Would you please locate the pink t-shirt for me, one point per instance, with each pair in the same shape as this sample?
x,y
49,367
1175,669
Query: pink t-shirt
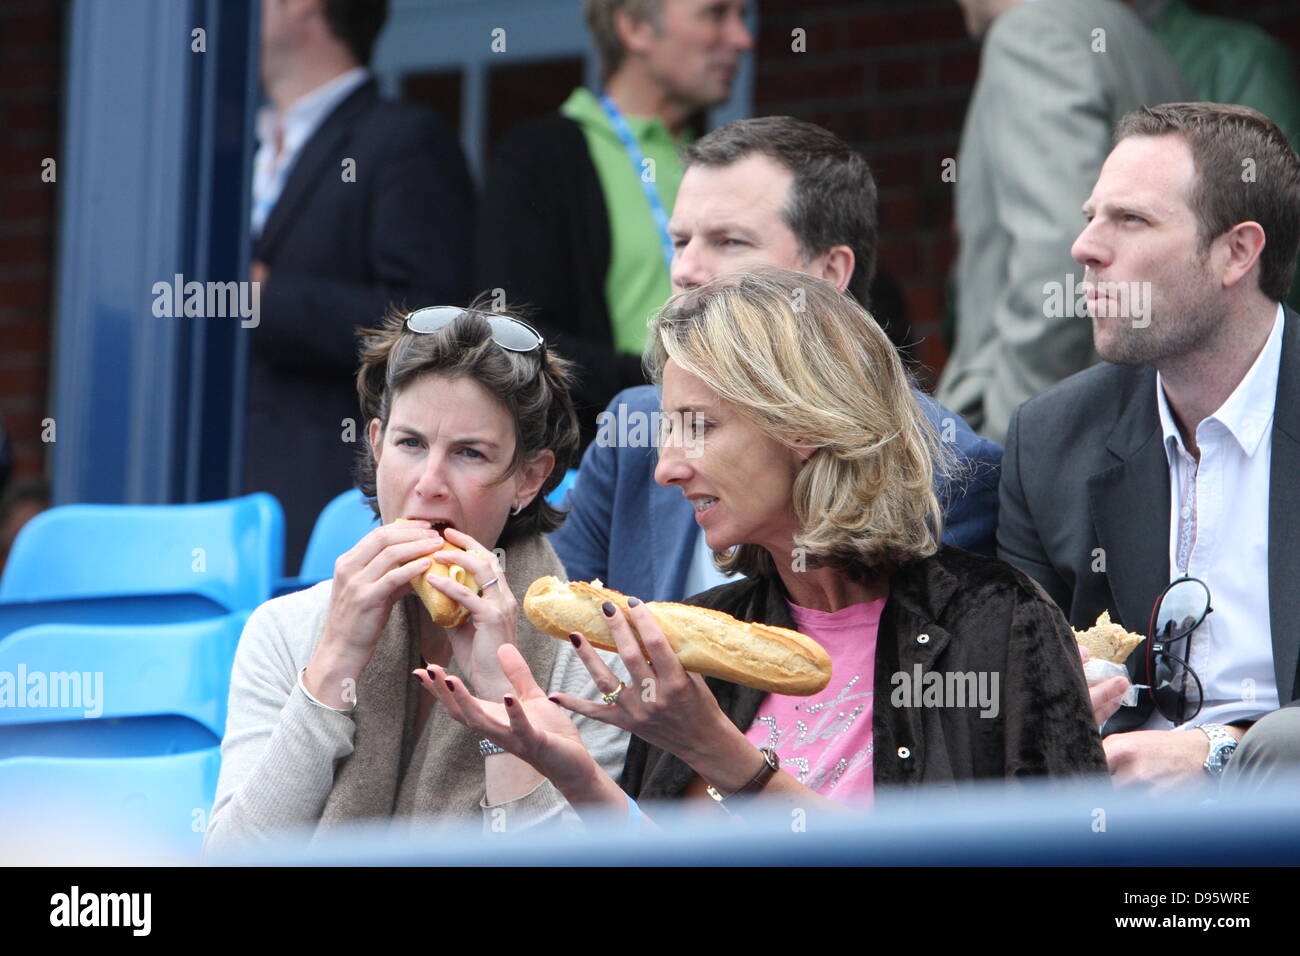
x,y
824,741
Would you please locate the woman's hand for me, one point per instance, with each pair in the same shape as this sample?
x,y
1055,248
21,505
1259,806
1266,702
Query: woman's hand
x,y
525,724
1107,696
368,580
664,705
494,614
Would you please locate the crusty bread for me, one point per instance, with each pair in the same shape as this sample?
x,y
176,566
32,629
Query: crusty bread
x,y
442,609
1107,641
708,642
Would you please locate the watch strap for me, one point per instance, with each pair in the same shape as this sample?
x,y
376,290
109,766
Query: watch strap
x,y
771,764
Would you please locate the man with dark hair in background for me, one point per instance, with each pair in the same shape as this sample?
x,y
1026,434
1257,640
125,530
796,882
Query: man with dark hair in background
x,y
576,204
357,202
772,191
1177,456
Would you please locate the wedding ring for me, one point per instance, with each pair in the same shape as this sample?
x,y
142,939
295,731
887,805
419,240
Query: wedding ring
x,y
612,697
486,586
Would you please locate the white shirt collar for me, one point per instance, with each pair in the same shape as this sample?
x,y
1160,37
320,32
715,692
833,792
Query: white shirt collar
x,y
307,112
1247,412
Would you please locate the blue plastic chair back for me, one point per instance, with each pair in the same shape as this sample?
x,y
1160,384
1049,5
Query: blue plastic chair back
x,y
556,497
229,552
136,806
110,691
342,523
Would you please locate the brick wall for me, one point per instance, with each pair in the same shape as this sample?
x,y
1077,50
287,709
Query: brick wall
x,y
892,77
30,65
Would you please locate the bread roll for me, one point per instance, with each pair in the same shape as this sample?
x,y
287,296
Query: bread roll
x,y
442,609
706,641
1107,641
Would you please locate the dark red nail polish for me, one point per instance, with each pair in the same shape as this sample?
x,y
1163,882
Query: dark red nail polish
x,y
432,675
553,700
576,638
510,701
633,602
450,685
608,608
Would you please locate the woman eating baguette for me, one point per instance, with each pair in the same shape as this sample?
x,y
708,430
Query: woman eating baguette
x,y
795,435
470,423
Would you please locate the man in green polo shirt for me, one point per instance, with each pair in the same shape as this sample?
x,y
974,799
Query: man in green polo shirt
x,y
575,210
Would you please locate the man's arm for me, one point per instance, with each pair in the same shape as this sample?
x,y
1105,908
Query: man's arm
x,y
1019,542
1052,132
582,542
528,245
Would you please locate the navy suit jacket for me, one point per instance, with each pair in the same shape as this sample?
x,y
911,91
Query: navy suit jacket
x,y
339,250
639,537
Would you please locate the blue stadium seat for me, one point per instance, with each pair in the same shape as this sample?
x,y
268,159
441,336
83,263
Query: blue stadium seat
x,y
343,522
151,806
556,497
224,553
75,690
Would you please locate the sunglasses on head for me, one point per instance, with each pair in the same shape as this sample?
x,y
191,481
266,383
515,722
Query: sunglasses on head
x,y
511,334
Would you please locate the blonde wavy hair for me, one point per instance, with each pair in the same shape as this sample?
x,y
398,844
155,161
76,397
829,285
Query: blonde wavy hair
x,y
797,357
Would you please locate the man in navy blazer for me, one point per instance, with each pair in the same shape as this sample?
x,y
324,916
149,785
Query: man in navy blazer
x,y
767,191
358,202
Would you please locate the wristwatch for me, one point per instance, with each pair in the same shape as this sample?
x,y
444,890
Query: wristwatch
x,y
1222,744
771,764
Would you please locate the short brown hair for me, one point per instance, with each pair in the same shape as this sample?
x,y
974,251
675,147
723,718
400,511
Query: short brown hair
x,y
799,358
832,198
1222,138
533,386
600,21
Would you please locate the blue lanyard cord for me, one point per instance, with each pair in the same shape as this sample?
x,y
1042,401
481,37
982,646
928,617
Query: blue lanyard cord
x,y
650,189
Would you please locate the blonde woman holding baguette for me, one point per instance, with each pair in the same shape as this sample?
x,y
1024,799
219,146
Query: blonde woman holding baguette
x,y
809,462
470,423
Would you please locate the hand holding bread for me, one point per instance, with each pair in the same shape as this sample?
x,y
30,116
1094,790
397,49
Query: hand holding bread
x,y
706,641
444,611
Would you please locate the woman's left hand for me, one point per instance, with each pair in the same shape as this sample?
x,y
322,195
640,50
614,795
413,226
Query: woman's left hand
x,y
494,614
664,705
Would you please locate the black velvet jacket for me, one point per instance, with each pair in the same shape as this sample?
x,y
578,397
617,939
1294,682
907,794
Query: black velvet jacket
x,y
980,615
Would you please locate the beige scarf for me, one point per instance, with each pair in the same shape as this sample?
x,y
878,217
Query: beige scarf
x,y
391,773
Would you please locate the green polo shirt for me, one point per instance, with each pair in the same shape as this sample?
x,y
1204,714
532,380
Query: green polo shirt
x,y
637,282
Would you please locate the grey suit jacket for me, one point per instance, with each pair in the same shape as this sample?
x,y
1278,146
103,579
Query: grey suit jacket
x,y
1084,506
1037,130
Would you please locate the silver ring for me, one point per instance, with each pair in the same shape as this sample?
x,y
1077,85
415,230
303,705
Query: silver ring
x,y
484,587
612,697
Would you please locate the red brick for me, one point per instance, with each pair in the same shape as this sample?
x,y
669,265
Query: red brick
x,y
40,74
24,292
20,336
25,249
32,200
894,76
27,381
959,69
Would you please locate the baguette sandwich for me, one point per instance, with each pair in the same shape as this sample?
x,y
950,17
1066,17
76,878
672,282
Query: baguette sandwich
x,y
706,641
1107,641
442,609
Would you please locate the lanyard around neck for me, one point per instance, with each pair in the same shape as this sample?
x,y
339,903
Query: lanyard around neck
x,y
638,166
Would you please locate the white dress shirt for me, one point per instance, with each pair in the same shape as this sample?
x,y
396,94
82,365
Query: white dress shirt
x,y
271,168
1218,532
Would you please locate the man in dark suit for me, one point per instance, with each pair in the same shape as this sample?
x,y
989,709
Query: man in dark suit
x,y
357,203
1178,455
767,191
